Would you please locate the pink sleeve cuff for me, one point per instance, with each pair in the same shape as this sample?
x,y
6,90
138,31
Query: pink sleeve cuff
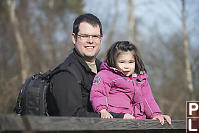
x,y
155,114
100,107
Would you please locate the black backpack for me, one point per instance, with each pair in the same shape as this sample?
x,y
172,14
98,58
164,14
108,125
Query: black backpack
x,y
32,98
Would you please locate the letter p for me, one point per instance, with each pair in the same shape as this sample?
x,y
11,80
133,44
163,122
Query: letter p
x,y
192,107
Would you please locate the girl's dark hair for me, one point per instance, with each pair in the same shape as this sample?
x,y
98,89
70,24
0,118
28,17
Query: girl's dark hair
x,y
124,46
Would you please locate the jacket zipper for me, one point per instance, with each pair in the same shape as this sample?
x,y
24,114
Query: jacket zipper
x,y
106,102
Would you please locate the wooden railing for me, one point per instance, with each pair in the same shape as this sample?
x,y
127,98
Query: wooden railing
x,y
30,124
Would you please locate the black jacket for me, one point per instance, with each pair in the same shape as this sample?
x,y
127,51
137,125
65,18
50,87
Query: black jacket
x,y
69,95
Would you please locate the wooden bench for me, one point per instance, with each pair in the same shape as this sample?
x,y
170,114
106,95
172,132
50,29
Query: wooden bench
x,y
14,123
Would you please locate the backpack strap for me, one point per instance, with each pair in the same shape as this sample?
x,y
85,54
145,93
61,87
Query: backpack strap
x,y
76,72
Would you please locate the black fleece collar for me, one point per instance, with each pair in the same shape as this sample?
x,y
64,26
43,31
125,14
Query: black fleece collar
x,y
76,55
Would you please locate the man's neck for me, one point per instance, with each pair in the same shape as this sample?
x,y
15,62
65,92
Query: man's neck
x,y
92,66
90,61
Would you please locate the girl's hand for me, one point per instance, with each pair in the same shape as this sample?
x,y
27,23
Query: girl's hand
x,y
105,114
128,116
161,118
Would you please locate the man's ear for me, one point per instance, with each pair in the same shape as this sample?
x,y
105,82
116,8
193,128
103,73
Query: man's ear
x,y
101,39
74,38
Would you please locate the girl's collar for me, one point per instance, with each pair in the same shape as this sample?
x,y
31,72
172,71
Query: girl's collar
x,y
117,71
135,74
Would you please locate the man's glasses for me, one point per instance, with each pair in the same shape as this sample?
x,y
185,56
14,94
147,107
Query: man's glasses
x,y
85,37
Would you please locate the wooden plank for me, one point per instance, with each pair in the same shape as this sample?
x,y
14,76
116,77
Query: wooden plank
x,y
97,124
11,123
14,123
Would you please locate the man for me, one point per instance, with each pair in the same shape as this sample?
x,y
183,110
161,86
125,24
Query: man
x,y
70,97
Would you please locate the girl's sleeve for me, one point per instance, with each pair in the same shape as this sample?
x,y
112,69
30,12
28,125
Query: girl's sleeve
x,y
99,93
151,108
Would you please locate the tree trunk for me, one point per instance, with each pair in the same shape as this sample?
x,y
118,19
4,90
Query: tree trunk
x,y
51,4
25,65
110,35
131,17
186,54
112,29
3,62
49,29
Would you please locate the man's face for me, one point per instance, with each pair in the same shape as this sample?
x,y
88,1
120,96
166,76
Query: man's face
x,y
88,41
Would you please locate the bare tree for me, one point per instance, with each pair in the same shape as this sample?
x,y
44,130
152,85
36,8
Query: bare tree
x,y
49,28
131,19
112,29
111,32
20,44
186,53
51,4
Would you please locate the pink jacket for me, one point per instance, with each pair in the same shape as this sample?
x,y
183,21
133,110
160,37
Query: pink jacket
x,y
115,92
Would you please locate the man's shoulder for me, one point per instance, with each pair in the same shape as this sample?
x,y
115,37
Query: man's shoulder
x,y
70,61
67,68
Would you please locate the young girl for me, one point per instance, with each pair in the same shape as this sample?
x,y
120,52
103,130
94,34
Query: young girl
x,y
121,86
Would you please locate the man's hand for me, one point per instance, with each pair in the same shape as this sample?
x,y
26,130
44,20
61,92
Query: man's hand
x,y
161,119
128,116
105,114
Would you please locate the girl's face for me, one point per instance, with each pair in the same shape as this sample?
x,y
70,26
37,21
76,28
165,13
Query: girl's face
x,y
126,63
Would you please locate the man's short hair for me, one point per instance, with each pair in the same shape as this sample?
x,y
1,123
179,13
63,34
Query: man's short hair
x,y
89,18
